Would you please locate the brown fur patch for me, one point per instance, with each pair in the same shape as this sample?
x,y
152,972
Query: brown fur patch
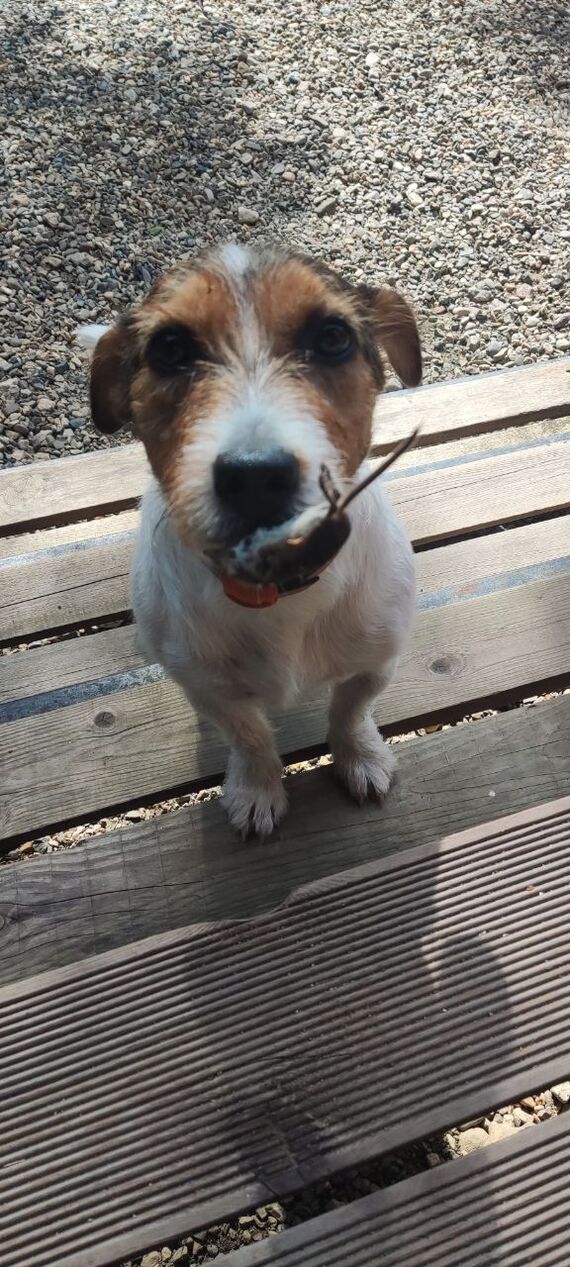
x,y
197,298
342,397
286,294
165,415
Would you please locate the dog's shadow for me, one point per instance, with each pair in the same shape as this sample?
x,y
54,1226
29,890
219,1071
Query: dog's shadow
x,y
343,1028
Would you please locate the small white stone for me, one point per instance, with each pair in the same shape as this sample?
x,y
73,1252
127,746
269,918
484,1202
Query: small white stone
x,y
561,1092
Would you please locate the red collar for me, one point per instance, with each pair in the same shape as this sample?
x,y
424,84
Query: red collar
x,y
251,594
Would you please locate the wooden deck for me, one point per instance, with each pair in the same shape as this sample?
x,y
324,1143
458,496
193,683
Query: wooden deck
x,y
89,730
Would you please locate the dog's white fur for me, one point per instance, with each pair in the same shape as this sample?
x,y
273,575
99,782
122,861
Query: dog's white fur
x,y
234,664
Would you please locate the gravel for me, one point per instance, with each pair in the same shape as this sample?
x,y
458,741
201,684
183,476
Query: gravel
x,y
424,144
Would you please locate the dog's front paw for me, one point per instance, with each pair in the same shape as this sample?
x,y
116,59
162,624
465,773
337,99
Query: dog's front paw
x,y
255,803
364,764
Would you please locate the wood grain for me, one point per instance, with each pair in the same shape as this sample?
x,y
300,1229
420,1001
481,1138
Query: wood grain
x,y
70,762
73,587
72,488
188,866
468,496
40,593
468,406
76,487
447,573
43,539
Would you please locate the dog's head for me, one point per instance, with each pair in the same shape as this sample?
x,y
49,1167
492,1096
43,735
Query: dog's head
x,y
242,374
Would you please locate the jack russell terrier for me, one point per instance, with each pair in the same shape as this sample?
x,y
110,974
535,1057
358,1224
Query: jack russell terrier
x,y
247,375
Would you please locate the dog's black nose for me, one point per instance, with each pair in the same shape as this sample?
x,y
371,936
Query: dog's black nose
x,y
257,489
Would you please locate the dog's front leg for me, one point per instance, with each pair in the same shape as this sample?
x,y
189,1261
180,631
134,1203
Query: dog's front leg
x,y
362,761
254,795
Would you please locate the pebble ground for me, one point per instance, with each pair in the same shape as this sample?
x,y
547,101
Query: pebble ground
x,y
418,142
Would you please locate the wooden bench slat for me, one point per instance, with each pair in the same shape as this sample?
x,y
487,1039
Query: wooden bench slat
x,y
187,866
452,573
144,741
502,1205
113,479
308,1040
72,488
472,495
480,403
46,540
42,592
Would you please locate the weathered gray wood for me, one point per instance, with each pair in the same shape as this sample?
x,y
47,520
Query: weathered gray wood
x,y
58,665
188,866
115,478
468,406
78,585
42,540
465,497
446,574
71,762
72,488
42,592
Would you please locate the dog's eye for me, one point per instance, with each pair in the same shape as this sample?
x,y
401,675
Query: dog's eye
x,y
172,350
334,341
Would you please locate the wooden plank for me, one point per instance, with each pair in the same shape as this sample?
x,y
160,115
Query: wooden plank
x,y
446,574
70,587
465,497
502,556
72,488
188,866
469,406
80,487
172,1083
40,592
48,539
501,1205
70,762
58,666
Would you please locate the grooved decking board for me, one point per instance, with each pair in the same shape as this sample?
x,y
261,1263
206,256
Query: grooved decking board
x,y
187,866
88,579
446,574
171,1083
108,750
49,493
502,1206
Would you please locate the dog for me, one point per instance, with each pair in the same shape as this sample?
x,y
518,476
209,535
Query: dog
x,y
245,373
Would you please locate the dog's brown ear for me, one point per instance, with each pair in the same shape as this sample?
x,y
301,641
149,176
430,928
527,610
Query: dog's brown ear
x,y
397,333
110,381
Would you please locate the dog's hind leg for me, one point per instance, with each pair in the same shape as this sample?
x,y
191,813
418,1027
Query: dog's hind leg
x,y
363,762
